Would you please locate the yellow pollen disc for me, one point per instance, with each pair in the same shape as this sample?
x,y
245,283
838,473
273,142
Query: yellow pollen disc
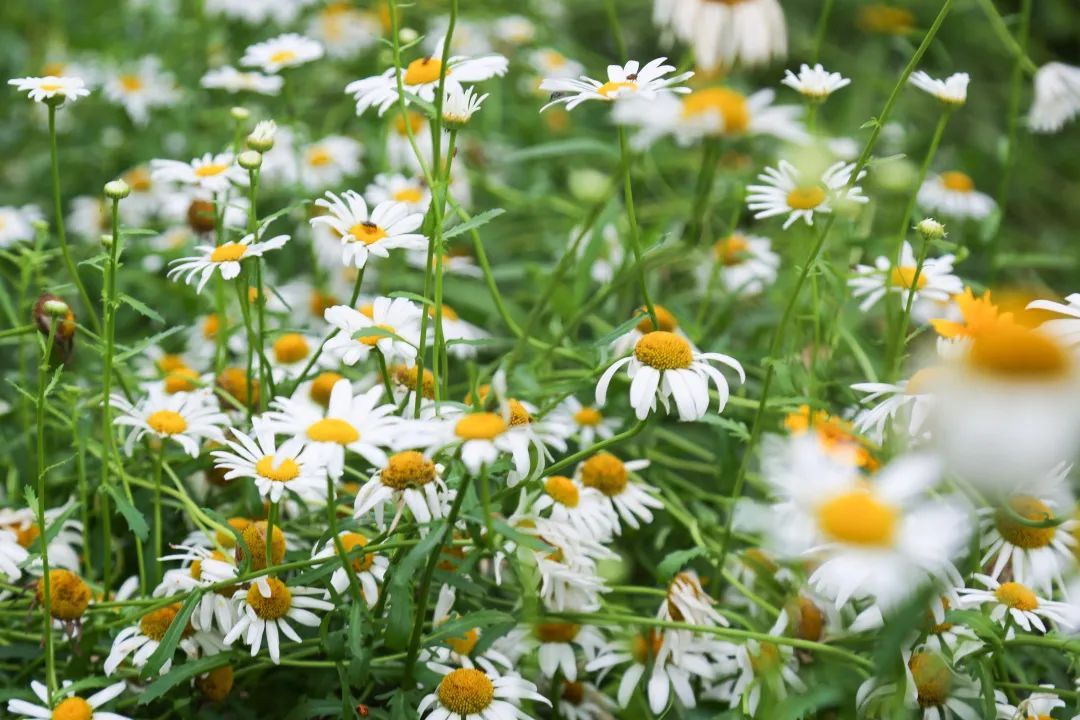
x,y
466,691
322,385
73,708
957,182
254,536
273,607
407,469
319,302
69,596
216,684
480,426
1014,351
367,233
167,422
464,645
50,87
562,490
606,473
1017,596
210,169
351,540
154,624
1025,536
227,539
131,83
333,430
664,351
667,320
932,677
277,470
229,252
24,535
423,71
573,692
318,157
415,122
409,195
731,250
406,377
806,198
283,56
588,416
138,179
181,380
858,518
367,311
519,415
168,363
236,382
373,340
210,326
448,312
645,645
730,105
610,88
904,277
291,348
557,632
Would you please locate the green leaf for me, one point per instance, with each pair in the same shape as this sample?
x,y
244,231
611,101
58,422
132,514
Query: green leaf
x,y
575,146
674,562
181,673
461,625
135,520
167,647
474,222
399,617
141,308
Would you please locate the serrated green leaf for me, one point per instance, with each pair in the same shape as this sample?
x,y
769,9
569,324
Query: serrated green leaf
x,y
474,222
135,520
142,308
674,562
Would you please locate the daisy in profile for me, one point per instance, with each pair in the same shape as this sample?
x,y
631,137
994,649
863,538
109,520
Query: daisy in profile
x,y
142,88
631,79
459,105
16,224
67,705
231,80
274,469
953,194
911,400
389,226
47,89
1016,603
585,509
558,644
64,545
407,480
1066,329
210,173
478,692
399,188
951,91
745,264
1057,97
747,32
786,191
267,614
924,287
345,31
225,258
285,51
368,567
630,500
396,319
421,78
349,422
186,418
816,83
764,668
583,422
663,367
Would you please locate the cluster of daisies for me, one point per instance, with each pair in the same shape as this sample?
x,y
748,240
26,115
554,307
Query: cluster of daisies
x,y
323,452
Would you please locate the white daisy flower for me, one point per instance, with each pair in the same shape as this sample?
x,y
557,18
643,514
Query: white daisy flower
x,y
667,321
12,555
665,366
142,88
396,187
935,283
407,480
631,79
1066,329
550,63
763,667
557,646
1037,705
274,469
142,640
584,422
290,354
231,80
585,509
912,400
482,438
786,192
460,104
66,705
584,701
225,258
389,226
44,89
1014,602
399,316
750,32
814,83
611,476
265,610
17,224
64,547
200,568
459,334
744,263
470,693
953,194
282,52
186,417
1036,556
326,162
931,686
951,91
421,78
368,567
1057,97
211,173
345,31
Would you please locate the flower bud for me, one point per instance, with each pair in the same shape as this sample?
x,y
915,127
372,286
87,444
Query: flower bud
x,y
262,137
931,229
407,35
250,160
117,190
240,114
50,309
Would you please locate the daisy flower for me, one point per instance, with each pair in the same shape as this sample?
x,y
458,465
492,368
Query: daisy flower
x,y
935,283
421,78
389,226
583,701
482,438
951,91
763,667
200,568
1016,603
210,173
665,319
407,480
1066,329
12,555
66,705
630,500
64,546
550,63
1057,97
977,315
345,31
399,317
665,366
953,194
815,84
1035,556
142,640
225,258
265,611
142,88
787,192
584,422
632,79
44,89
459,651
231,80
349,422
185,417
326,162
285,51
369,567
745,264
17,224
931,686
459,334
273,469
290,354
1037,705
398,188
470,693
559,644
460,104
911,399
585,509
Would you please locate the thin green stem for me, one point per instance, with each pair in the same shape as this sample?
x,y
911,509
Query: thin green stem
x,y
108,310
631,217
1001,29
822,27
900,340
158,458
42,472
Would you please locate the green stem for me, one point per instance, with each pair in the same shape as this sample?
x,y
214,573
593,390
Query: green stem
x,y
42,471
1018,50
159,457
108,310
822,27
384,373
271,520
631,216
703,190
900,340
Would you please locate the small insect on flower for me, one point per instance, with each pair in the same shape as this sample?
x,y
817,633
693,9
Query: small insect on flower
x,y
815,84
285,51
210,173
389,226
265,610
231,80
953,194
66,705
225,258
185,417
631,79
51,90
787,192
951,91
469,693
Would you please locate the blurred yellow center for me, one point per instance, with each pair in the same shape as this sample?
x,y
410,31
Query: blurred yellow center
x,y
557,632
480,426
229,252
1019,534
318,157
1014,351
466,692
291,348
562,490
806,198
606,473
407,469
423,71
957,181
283,56
210,169
353,540
588,416
611,87
858,518
167,422
1016,596
464,644
373,340
904,277
664,317
131,83
333,430
664,351
932,678
729,104
322,385
731,250
409,195
277,470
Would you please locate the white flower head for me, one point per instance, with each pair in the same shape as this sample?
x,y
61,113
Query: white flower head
x,y
265,609
225,258
953,194
815,83
45,89
67,703
631,79
285,51
210,173
231,80
951,91
186,417
786,191
397,321
460,104
389,226
1057,97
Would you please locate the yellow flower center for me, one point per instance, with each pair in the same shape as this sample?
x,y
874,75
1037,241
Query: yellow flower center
x,y
168,363
904,277
333,430
352,540
229,252
50,87
373,340
858,518
235,382
410,195
645,645
69,596
138,179
1014,351
406,377
1016,596
183,379
885,20
465,692
283,56
480,426
25,535
957,182
155,624
588,416
131,83
291,348
809,619
731,250
282,470
210,170
464,645
664,351
573,692
227,539
766,659
273,607
318,157
729,104
423,71
73,708
167,422
806,198
1025,536
413,121
606,473
932,677
611,87
216,684
407,469
210,327
519,414
562,490
254,536
664,317
367,232
322,385
557,632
